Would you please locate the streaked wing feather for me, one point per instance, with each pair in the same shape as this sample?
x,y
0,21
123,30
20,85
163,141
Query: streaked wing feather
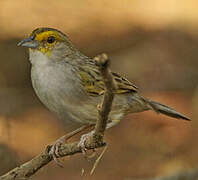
x,y
92,81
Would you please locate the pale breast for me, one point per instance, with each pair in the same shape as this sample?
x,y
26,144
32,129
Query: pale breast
x,y
58,87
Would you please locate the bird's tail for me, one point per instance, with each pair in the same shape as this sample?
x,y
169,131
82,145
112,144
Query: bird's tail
x,y
160,108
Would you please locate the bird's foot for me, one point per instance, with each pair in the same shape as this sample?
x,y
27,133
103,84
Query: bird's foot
x,y
54,150
82,142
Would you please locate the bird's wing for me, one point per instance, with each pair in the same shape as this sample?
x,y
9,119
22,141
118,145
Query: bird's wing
x,y
94,85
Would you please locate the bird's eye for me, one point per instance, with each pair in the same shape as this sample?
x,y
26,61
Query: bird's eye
x,y
50,39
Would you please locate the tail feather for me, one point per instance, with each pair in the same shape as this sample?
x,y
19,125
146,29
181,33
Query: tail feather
x,y
160,108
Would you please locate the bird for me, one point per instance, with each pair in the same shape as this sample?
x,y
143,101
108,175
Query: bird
x,y
70,84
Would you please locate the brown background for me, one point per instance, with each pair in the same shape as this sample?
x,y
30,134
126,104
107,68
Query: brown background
x,y
154,43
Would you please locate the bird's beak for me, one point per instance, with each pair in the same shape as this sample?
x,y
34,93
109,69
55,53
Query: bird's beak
x,y
29,42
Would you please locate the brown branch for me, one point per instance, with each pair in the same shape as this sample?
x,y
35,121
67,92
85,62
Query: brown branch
x,y
31,167
105,108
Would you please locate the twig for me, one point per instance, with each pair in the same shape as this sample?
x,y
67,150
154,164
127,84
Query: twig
x,y
31,167
98,160
103,110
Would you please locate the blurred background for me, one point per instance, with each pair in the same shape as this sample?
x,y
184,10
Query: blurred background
x,y
153,43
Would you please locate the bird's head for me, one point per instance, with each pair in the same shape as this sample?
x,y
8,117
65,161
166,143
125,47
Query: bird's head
x,y
46,40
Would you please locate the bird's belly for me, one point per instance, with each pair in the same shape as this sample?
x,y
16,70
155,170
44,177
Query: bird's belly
x,y
62,93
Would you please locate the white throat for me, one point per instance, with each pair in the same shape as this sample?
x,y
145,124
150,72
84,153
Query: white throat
x,y
37,58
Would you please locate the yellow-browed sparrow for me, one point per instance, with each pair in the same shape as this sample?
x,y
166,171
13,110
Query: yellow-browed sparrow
x,y
69,83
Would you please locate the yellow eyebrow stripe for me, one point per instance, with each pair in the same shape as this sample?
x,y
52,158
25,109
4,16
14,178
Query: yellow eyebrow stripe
x,y
44,35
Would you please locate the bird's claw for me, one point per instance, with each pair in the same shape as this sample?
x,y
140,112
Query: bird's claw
x,y
54,151
82,142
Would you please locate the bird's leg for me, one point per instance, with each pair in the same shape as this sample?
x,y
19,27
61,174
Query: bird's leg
x,y
82,141
56,145
85,137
